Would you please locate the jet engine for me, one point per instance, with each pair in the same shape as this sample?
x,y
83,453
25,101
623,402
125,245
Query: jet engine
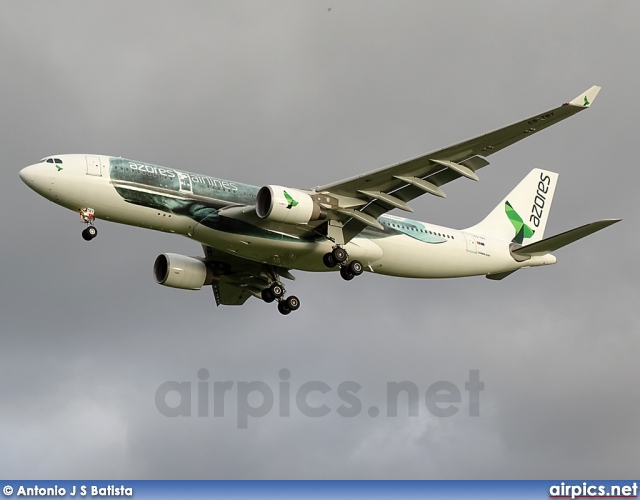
x,y
280,204
180,271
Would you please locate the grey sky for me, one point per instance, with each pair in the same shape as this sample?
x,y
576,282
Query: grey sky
x,y
296,94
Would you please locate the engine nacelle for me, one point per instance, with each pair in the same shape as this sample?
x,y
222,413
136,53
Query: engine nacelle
x,y
180,271
280,204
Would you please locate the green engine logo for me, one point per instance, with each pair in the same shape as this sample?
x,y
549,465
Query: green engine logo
x,y
291,202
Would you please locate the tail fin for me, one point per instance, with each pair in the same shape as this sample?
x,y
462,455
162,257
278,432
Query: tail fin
x,y
522,215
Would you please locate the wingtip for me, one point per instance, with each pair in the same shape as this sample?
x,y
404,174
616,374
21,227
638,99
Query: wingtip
x,y
604,223
586,99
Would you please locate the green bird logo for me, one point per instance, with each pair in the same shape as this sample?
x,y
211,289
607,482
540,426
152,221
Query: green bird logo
x,y
522,230
58,167
586,101
291,202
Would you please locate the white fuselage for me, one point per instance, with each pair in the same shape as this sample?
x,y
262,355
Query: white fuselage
x,y
405,248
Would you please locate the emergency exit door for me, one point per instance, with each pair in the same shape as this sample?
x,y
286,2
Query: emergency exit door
x,y
471,243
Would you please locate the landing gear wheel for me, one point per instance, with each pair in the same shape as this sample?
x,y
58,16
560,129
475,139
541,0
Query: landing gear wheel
x,y
277,290
328,260
355,266
89,233
292,302
339,254
346,273
283,308
267,296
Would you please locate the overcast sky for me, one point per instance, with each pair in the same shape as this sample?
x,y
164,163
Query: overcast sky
x,y
303,94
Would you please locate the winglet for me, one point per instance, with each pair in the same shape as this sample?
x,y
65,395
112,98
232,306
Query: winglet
x,y
585,99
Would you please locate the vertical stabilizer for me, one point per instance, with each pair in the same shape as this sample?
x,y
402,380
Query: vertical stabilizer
x,y
522,215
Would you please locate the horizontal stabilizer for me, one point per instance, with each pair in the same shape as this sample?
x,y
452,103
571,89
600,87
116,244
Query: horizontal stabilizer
x,y
500,276
563,239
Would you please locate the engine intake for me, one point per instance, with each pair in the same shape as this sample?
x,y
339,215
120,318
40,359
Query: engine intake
x,y
180,271
291,206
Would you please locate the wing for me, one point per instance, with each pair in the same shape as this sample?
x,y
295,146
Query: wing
x,y
240,278
392,187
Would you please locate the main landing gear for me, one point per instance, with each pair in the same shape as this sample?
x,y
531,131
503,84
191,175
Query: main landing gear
x,y
338,257
276,291
87,215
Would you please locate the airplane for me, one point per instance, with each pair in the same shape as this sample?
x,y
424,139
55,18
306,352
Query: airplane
x,y
254,236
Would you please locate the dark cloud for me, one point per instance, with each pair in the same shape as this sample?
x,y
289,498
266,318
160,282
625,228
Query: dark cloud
x,y
291,93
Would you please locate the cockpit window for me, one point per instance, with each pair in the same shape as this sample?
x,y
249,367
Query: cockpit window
x,y
57,160
49,160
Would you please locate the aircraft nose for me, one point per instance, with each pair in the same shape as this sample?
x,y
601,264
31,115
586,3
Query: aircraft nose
x,y
28,174
37,178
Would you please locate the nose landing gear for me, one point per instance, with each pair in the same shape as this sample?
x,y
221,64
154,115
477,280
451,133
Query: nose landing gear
x,y
87,216
89,233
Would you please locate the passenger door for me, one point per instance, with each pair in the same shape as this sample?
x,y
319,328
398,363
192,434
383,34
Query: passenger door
x,y
93,165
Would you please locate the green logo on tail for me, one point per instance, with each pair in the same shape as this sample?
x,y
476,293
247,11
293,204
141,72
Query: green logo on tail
x,y
586,101
522,230
291,202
